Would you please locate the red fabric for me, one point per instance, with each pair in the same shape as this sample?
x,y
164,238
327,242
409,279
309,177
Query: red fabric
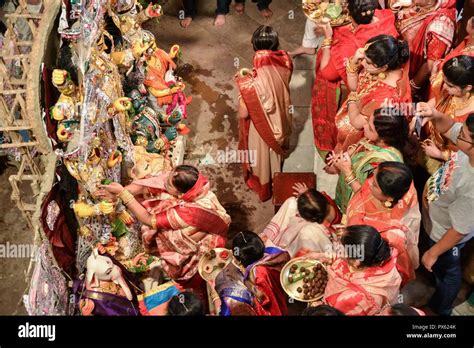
x,y
337,219
436,48
364,211
273,301
324,105
62,240
257,116
418,43
199,287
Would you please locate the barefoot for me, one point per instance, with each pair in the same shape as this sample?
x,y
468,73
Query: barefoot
x,y
186,22
220,20
266,13
239,8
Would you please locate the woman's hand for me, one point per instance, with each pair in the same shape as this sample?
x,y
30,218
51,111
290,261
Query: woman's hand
x,y
114,188
323,257
358,56
424,110
431,149
326,29
103,194
299,189
343,162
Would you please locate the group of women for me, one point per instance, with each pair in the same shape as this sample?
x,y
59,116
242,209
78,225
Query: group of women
x,y
369,74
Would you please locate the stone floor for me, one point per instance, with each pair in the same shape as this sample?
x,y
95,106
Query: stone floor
x,y
211,57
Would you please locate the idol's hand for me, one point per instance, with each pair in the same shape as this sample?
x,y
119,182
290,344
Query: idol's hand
x,y
153,11
123,104
84,210
59,77
171,133
106,208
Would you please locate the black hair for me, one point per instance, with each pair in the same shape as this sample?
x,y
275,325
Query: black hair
x,y
362,11
375,248
185,177
65,62
392,127
114,31
248,247
322,311
3,27
459,71
313,206
470,124
265,38
185,304
387,50
401,309
394,179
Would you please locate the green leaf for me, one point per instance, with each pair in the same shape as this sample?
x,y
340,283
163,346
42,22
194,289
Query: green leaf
x,y
119,228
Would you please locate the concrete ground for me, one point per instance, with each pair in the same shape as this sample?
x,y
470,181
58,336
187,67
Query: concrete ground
x,y
211,57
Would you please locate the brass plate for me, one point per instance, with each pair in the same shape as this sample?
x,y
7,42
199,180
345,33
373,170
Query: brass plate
x,y
209,269
314,12
290,288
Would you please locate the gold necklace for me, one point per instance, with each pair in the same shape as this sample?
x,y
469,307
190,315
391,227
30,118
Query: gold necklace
x,y
458,104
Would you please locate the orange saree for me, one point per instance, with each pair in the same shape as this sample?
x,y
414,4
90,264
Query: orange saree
x,y
362,292
399,225
373,94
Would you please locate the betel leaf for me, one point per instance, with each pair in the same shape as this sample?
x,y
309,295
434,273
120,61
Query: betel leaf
x,y
106,182
333,11
119,228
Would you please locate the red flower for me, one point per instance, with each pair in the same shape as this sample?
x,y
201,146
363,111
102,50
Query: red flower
x,y
224,254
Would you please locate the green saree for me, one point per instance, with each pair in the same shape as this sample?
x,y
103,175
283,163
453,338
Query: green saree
x,y
364,162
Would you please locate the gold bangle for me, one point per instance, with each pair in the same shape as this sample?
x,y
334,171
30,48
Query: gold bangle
x,y
126,196
446,155
352,68
326,46
353,97
153,221
350,182
327,42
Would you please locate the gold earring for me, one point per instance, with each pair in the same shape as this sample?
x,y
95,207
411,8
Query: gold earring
x,y
382,76
388,204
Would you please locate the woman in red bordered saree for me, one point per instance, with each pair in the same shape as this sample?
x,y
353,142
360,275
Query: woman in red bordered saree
x,y
382,81
264,111
341,43
363,277
388,202
428,26
182,218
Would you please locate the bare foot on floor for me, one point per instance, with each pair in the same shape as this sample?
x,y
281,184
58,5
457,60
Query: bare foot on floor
x,y
220,20
239,8
186,22
266,13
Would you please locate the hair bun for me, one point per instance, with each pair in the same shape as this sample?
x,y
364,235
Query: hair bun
x,y
403,51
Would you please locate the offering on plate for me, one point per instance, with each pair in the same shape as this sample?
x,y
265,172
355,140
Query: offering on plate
x,y
213,262
333,12
304,279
